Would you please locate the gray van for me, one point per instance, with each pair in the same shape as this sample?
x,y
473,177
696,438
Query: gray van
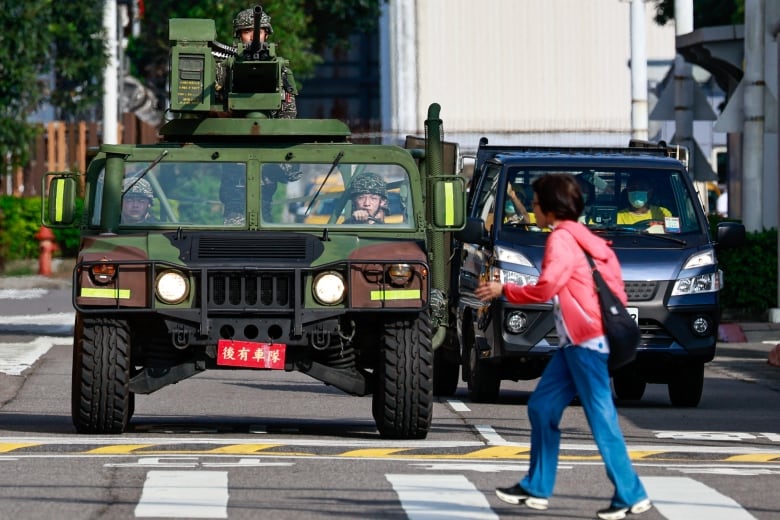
x,y
643,202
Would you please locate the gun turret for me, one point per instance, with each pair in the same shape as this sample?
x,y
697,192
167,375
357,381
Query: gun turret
x,y
252,81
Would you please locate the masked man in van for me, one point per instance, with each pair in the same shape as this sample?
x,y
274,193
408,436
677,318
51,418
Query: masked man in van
x,y
639,192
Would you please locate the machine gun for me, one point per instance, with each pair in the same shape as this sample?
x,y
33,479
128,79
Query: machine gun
x,y
210,77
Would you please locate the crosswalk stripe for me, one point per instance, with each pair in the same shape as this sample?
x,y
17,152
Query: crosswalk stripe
x,y
184,494
438,497
683,498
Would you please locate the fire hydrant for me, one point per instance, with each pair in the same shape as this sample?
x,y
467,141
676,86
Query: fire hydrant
x,y
47,247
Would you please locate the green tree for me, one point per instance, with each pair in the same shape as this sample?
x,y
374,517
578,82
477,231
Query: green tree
x,y
24,52
706,13
79,57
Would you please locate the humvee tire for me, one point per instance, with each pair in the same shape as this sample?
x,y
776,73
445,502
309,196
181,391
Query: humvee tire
x,y
101,401
403,394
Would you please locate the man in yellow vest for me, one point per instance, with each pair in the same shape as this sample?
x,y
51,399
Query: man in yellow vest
x,y
639,193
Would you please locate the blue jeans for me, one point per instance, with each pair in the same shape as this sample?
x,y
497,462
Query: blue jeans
x,y
582,372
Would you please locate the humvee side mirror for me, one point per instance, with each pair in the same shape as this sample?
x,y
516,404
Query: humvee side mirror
x,y
449,203
60,205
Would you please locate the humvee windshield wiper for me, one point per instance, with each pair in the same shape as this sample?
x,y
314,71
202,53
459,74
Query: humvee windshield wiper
x,y
324,182
145,171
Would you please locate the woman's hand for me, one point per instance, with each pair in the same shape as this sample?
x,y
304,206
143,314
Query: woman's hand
x,y
488,290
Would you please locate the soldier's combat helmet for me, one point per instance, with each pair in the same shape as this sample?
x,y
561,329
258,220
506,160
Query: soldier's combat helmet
x,y
141,188
368,183
246,20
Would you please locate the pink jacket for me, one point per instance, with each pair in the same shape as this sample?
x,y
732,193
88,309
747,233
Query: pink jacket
x,y
566,272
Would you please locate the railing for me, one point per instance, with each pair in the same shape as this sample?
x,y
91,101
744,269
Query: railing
x,y
63,146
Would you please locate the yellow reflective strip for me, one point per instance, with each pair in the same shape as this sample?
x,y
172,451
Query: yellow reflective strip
x,y
245,449
449,205
396,294
59,204
117,449
91,292
5,447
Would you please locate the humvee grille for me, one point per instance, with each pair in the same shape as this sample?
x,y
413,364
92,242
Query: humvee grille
x,y
253,247
241,290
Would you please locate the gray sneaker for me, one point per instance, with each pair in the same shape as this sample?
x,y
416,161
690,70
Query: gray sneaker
x,y
519,496
618,513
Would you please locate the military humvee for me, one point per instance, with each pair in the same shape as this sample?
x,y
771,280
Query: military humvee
x,y
223,271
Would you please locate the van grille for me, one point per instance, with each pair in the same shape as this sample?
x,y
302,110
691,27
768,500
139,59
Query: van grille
x,y
641,291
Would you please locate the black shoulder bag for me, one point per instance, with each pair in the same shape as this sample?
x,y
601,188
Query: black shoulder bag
x,y
620,328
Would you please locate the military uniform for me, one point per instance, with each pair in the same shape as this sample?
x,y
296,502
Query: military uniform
x,y
246,20
369,183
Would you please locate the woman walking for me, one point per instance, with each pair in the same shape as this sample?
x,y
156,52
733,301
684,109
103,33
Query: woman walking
x,y
579,367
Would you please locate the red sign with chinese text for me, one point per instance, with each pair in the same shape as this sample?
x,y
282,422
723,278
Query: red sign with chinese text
x,y
250,354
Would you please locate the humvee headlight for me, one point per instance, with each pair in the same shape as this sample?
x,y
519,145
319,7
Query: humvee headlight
x,y
103,273
329,288
172,287
399,274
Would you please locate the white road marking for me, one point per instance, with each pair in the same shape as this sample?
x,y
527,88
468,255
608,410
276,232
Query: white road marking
x,y
458,406
18,357
22,294
54,323
491,437
439,497
184,494
683,498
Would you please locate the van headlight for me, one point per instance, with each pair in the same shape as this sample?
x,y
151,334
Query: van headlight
x,y
172,287
329,288
507,276
702,283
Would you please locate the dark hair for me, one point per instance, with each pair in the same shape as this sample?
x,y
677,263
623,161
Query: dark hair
x,y
560,194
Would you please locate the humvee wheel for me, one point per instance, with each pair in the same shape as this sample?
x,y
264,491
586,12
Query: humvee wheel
x,y
403,396
101,401
686,385
482,376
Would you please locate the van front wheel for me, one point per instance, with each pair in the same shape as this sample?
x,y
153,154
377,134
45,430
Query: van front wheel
x,y
686,385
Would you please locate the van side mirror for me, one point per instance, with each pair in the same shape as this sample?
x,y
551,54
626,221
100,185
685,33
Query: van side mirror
x,y
60,206
473,232
730,234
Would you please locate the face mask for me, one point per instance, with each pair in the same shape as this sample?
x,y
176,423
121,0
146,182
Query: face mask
x,y
509,207
637,198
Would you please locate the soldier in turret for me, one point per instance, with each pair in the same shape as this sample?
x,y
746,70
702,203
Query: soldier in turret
x,y
243,26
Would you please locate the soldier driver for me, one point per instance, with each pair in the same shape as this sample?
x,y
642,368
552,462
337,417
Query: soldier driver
x,y
136,201
243,27
368,192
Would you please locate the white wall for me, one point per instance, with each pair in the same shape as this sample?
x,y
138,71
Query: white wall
x,y
552,71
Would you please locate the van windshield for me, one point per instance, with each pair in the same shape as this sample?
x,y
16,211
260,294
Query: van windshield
x,y
618,199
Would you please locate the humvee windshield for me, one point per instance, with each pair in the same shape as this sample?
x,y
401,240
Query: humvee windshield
x,y
621,200
205,194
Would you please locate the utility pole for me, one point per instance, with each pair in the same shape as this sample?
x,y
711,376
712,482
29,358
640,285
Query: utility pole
x,y
110,75
638,71
683,84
